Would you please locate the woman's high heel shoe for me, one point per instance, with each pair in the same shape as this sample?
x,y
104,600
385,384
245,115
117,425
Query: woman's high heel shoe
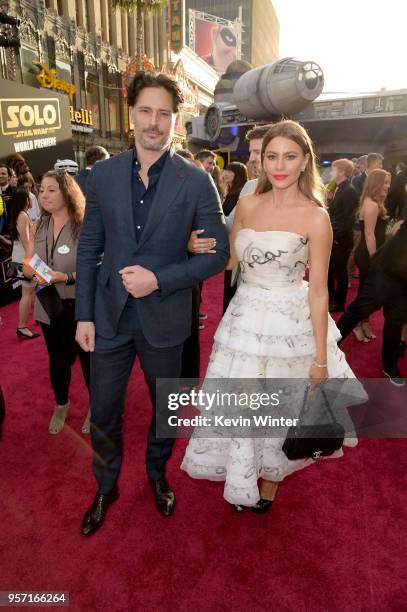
x,y
30,336
262,506
57,422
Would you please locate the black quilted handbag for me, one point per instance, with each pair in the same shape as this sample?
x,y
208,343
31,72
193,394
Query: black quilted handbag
x,y
314,441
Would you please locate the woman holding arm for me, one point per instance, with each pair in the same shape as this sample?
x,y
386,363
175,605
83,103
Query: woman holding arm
x,y
277,325
56,241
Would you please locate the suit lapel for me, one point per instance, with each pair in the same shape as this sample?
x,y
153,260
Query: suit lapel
x,y
171,179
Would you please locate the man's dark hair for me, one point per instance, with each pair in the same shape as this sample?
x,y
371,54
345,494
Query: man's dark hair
x,y
204,154
259,131
185,154
94,154
402,166
7,168
142,79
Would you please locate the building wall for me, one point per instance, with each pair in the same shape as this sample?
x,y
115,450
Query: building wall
x,y
115,27
266,33
90,46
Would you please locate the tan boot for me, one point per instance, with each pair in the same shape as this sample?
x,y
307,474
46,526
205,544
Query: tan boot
x,y
86,424
57,421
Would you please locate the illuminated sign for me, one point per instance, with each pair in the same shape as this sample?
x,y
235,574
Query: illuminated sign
x,y
36,124
48,78
27,117
83,116
176,11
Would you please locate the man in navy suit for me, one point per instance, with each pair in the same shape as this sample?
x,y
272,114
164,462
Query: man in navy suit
x,y
140,210
93,154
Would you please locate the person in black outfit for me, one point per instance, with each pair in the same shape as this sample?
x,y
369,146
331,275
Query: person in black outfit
x,y
366,163
397,198
385,287
191,361
235,177
373,222
6,192
358,180
342,213
372,218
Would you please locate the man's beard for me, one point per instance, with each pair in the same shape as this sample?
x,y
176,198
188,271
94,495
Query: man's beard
x,y
153,146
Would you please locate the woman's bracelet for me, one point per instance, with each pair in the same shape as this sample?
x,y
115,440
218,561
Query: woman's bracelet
x,y
319,365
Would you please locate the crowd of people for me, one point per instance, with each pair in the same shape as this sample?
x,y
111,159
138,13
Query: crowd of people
x,y
131,239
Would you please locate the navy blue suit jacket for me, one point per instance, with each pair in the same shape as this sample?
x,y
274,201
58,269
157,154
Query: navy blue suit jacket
x,y
82,179
186,199
358,183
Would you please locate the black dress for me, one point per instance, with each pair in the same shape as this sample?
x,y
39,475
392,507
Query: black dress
x,y
230,202
362,257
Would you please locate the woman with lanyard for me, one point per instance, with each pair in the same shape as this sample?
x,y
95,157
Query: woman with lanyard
x,y
55,241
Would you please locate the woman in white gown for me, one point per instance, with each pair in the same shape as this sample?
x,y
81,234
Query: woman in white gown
x,y
277,325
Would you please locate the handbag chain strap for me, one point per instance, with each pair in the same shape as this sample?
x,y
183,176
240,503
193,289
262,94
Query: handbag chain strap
x,y
326,402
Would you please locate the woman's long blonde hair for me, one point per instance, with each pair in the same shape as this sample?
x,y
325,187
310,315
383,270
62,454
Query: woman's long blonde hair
x,y
373,189
309,182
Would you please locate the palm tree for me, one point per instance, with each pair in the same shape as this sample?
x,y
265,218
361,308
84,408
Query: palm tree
x,y
142,7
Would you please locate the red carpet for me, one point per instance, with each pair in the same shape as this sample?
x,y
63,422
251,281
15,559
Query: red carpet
x,y
333,542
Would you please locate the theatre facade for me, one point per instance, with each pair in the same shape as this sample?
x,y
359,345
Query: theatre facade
x,y
86,52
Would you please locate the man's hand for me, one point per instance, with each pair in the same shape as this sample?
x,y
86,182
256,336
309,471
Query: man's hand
x,y
85,335
138,281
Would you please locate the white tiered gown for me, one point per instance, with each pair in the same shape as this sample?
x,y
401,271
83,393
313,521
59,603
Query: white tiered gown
x,y
266,332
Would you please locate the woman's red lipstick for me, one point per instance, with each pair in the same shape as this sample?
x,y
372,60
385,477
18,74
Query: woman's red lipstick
x,y
280,177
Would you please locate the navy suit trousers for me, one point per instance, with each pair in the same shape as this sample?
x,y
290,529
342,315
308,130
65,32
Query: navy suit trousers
x,y
111,366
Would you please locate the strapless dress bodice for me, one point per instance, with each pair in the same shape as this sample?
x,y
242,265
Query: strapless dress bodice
x,y
273,258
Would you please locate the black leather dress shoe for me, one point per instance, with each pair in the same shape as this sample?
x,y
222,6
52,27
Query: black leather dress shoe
x,y
164,496
95,516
